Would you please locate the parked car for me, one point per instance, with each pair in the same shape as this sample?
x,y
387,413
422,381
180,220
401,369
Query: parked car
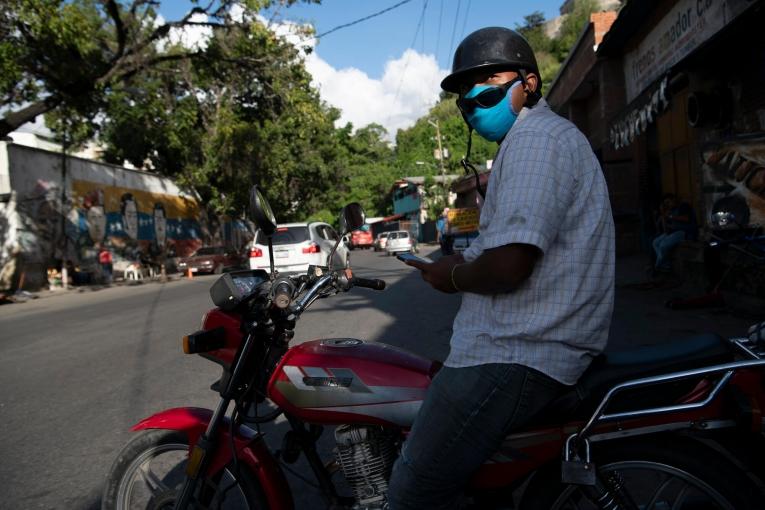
x,y
210,259
400,241
298,245
382,239
362,238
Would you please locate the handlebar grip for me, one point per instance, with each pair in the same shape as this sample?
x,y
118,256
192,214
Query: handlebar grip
x,y
282,294
374,284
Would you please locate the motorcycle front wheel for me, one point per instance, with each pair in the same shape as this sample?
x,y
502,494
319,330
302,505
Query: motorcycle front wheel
x,y
150,471
679,475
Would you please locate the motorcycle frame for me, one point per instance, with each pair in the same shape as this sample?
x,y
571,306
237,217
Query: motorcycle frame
x,y
521,454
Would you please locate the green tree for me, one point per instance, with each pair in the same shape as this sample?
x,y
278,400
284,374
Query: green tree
x,y
418,142
241,111
572,26
72,53
544,47
370,168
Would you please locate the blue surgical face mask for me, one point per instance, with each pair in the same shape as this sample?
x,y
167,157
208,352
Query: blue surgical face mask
x,y
492,123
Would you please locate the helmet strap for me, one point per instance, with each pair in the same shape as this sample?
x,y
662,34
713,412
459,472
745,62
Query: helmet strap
x,y
468,166
535,96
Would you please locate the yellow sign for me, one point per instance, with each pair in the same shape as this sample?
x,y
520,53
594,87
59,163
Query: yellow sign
x,y
462,221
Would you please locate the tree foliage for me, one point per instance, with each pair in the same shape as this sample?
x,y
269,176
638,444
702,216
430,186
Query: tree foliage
x,y
73,52
551,52
418,143
572,25
236,110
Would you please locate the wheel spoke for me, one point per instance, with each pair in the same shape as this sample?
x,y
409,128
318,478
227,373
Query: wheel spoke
x,y
655,497
151,479
680,497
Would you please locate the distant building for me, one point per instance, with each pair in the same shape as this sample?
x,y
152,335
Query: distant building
x,y
659,119
410,203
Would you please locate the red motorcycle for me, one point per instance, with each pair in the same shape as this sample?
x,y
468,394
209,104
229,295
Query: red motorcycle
x,y
675,426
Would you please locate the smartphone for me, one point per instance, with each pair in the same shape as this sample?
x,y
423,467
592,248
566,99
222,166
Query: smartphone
x,y
403,257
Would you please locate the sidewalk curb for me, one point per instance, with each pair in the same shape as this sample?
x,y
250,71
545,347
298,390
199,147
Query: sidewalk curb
x,y
57,292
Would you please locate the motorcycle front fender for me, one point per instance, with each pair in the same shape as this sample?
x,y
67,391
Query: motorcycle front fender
x,y
250,449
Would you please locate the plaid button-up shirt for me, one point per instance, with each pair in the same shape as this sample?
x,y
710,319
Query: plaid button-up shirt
x,y
546,189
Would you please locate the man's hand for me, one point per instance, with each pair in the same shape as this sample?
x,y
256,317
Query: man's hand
x,y
439,273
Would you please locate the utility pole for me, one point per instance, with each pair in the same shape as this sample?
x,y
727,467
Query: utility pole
x,y
441,161
65,247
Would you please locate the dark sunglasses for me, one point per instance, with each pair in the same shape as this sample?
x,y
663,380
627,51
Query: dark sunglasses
x,y
485,99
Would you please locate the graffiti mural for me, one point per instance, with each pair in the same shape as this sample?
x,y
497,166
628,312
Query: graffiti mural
x,y
737,167
134,220
67,213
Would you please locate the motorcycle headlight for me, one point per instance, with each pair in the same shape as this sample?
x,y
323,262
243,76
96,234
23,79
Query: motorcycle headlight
x,y
731,212
723,220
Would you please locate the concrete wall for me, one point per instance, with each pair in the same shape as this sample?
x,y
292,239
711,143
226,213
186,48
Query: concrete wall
x,y
58,211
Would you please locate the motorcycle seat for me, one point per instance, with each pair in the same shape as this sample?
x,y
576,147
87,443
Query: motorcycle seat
x,y
608,370
613,368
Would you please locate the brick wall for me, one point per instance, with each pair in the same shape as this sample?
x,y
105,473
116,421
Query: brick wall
x,y
602,22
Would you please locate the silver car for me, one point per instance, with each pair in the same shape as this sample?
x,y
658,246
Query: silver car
x,y
298,245
400,241
382,238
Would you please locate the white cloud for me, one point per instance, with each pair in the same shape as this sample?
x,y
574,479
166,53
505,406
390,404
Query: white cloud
x,y
409,87
192,37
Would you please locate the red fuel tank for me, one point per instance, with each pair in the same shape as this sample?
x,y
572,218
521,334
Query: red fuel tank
x,y
345,380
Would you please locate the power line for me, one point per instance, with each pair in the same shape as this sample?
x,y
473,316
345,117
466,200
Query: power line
x,y
464,21
363,19
454,27
424,22
438,39
406,62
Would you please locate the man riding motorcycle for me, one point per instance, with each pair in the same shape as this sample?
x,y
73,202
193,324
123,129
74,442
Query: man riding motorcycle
x,y
537,283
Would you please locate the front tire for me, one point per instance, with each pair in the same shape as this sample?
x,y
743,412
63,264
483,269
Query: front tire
x,y
676,473
149,472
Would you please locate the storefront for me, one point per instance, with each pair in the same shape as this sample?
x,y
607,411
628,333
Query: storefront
x,y
694,85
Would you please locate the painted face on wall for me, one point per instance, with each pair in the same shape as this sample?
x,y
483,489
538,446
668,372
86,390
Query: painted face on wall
x,y
129,216
160,225
96,223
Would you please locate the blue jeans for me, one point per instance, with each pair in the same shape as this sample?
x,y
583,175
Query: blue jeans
x,y
466,415
663,244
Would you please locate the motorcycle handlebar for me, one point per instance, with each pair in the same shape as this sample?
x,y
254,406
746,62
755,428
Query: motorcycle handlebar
x,y
373,284
282,293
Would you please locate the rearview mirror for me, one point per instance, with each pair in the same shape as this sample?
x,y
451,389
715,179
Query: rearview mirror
x,y
261,213
352,217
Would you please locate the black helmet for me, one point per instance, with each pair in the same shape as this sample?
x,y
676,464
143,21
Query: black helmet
x,y
490,49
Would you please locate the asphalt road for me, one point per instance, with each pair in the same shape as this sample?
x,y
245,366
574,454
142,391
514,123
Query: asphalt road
x,y
78,370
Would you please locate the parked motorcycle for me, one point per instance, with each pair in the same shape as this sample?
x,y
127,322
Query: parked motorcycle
x,y
675,426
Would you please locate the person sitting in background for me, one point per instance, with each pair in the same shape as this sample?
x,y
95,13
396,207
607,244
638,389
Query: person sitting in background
x,y
676,223
105,260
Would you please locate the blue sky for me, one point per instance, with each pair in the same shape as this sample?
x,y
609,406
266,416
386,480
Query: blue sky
x,y
370,44
387,69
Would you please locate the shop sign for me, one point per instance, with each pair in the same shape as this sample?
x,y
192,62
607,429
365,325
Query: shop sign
x,y
689,24
637,119
462,221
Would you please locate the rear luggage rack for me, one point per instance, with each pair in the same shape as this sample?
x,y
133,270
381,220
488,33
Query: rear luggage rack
x,y
727,370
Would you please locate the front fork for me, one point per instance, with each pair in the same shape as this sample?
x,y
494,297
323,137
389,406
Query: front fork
x,y
201,454
204,449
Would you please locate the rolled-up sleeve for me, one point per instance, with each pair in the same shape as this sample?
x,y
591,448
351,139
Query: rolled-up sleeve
x,y
533,193
473,251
